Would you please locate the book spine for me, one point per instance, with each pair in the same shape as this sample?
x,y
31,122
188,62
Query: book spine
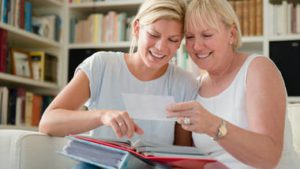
x,y
28,16
3,50
36,110
259,17
4,104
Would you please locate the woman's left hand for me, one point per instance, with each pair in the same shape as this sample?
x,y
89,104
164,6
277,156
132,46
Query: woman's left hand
x,y
192,116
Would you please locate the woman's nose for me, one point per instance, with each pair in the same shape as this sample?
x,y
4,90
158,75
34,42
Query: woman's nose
x,y
198,44
161,44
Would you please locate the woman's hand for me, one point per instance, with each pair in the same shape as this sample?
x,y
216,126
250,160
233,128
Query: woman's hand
x,y
121,123
192,116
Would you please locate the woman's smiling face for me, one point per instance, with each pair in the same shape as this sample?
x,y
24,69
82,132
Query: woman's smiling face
x,y
159,41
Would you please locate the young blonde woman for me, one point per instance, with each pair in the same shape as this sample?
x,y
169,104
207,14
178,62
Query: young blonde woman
x,y
102,78
240,113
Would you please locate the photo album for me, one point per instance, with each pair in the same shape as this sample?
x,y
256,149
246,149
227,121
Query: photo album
x,y
122,153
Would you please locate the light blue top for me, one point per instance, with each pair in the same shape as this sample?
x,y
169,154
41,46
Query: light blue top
x,y
109,77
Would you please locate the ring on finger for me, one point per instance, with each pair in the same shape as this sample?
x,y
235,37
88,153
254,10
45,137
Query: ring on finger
x,y
186,121
120,124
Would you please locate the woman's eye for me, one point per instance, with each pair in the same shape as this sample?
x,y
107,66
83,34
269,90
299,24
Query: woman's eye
x,y
174,40
188,37
207,35
153,35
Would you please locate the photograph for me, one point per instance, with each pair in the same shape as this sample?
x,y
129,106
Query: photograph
x,y
21,63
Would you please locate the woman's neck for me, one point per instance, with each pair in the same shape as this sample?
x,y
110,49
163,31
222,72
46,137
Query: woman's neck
x,y
228,69
138,69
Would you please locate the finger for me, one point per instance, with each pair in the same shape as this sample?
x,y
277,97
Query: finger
x,y
182,106
122,125
185,113
138,130
180,120
116,128
185,121
130,126
188,127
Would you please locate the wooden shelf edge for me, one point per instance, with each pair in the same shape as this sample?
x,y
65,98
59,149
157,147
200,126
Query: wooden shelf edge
x,y
27,81
115,45
28,35
105,4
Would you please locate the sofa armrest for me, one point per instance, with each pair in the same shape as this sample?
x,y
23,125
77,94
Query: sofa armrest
x,y
20,149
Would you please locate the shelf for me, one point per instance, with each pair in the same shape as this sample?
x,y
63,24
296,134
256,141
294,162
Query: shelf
x,y
284,37
30,128
8,78
105,6
293,99
112,45
252,39
20,37
48,3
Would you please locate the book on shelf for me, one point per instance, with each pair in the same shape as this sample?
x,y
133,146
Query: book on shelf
x,y
4,93
284,17
250,15
20,107
28,16
122,153
98,27
3,50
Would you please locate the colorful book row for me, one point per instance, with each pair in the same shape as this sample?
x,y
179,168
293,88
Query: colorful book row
x,y
20,107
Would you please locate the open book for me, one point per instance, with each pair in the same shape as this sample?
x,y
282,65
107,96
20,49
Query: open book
x,y
120,153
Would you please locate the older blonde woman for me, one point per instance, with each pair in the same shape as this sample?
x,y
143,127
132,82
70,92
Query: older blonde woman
x,y
239,116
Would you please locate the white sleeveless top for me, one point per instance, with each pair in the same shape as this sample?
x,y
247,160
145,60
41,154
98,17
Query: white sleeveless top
x,y
231,106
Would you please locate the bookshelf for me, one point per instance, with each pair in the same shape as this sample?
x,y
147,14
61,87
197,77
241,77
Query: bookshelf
x,y
255,40
64,49
20,38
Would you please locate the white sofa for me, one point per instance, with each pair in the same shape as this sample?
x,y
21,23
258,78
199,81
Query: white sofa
x,y
21,149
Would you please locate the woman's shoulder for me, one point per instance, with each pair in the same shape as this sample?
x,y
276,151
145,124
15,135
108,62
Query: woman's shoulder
x,y
107,55
184,77
103,58
259,63
182,73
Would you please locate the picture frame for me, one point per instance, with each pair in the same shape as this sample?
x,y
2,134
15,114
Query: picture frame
x,y
21,63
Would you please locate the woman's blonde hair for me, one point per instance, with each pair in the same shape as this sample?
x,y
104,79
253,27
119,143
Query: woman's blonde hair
x,y
152,10
211,12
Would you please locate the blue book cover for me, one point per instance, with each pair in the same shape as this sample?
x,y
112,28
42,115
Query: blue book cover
x,y
4,11
28,16
101,155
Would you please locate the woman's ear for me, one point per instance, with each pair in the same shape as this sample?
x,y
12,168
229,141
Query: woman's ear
x,y
232,34
136,28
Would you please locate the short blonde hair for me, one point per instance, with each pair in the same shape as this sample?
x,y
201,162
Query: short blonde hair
x,y
152,10
211,12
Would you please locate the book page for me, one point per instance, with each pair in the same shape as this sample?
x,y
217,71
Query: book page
x,y
147,107
151,148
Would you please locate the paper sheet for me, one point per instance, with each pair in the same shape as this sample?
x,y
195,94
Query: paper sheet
x,y
147,107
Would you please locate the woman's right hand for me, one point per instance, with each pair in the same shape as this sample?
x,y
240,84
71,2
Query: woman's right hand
x,y
121,123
